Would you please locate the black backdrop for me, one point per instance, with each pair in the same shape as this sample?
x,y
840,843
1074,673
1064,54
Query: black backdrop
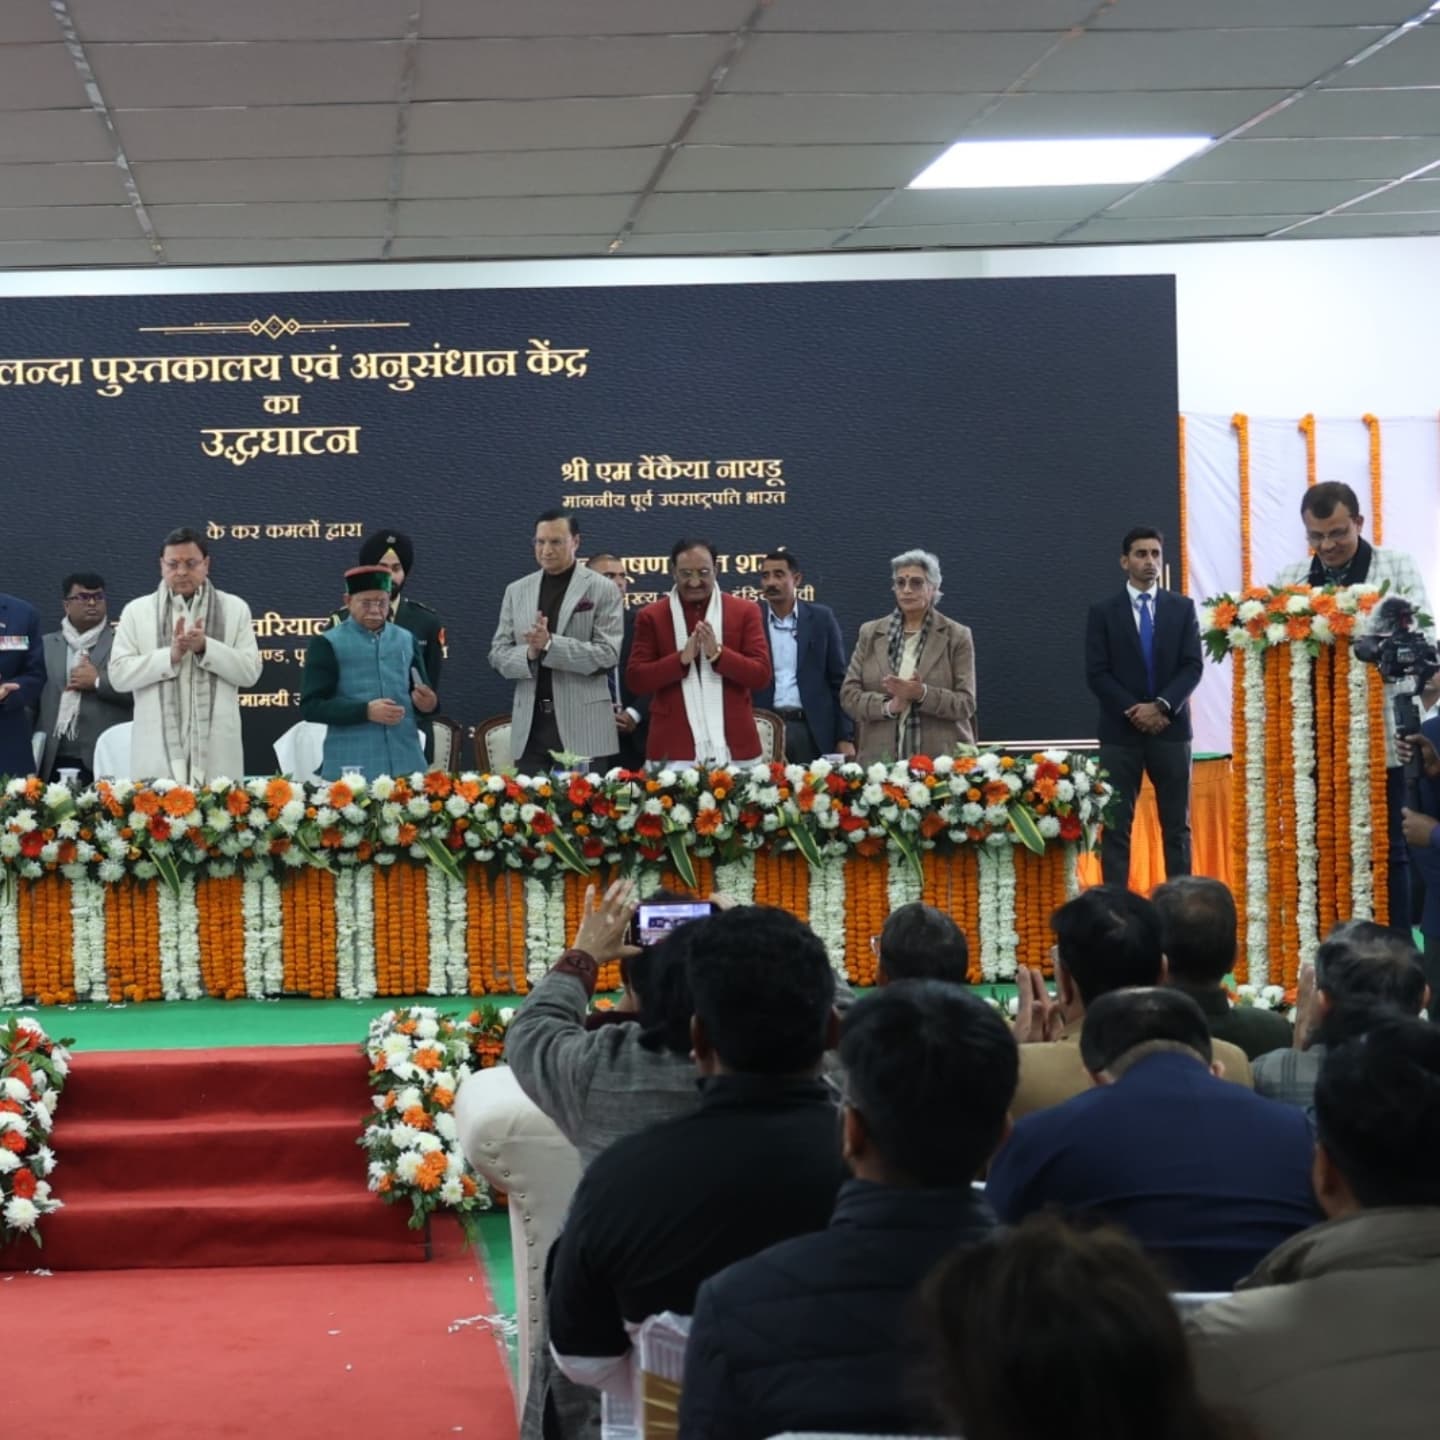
x,y
1014,427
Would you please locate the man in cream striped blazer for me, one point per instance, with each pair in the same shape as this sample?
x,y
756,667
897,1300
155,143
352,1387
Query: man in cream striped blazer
x,y
559,640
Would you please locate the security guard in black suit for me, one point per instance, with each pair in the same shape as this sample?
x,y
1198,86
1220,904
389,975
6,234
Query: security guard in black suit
x,y
396,552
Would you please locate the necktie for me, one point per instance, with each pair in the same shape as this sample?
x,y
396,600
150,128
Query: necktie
x,y
1147,639
613,677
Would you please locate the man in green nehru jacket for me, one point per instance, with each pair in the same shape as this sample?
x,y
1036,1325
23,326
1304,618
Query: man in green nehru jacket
x,y
365,681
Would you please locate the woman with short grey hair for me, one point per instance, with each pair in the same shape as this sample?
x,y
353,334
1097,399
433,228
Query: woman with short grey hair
x,y
910,687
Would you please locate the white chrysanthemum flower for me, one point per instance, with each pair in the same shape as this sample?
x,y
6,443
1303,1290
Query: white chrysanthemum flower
x,y
918,795
495,784
407,1166
821,803
665,779
528,812
507,1014
1297,604
1320,628
706,802
405,1136
820,769
9,845
682,816
23,822
998,837
971,814
8,1161
454,1163
1048,826
872,794
42,1118
292,813
1249,610
428,1027
14,1089
408,1098
325,816
16,786
418,807
68,829
451,1192
1206,617
21,1214
988,762
510,812
770,822
1013,783
57,795
653,806
220,821
1275,633
457,805
944,764
1064,791
395,1044
997,814
426,1143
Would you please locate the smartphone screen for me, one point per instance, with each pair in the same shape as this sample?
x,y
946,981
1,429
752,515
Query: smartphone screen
x,y
657,918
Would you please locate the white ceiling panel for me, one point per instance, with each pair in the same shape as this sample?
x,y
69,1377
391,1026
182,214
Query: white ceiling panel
x,y
754,211
1197,14
177,182
561,67
23,22
47,254
1197,59
862,15
1195,112
54,136
1349,226
266,130
203,20
796,167
529,172
94,184
465,126
1310,160
1356,113
1417,196
67,222
970,207
213,251
882,237
545,215
39,77
834,119
1412,59
263,73
480,247
1246,197
883,64
1110,231
733,242
280,221
582,17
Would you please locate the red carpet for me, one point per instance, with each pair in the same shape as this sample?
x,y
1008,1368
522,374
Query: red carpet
x,y
178,1354
221,1157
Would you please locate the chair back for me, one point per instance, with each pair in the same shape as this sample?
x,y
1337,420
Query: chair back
x,y
449,738
300,751
772,736
112,752
492,745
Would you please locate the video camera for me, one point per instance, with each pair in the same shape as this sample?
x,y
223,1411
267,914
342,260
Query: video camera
x,y
1406,660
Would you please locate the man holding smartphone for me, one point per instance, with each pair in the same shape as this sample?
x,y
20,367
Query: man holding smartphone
x,y
365,681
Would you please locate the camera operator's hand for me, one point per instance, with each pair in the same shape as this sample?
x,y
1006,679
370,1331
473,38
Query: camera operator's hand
x,y
1407,745
1417,828
603,922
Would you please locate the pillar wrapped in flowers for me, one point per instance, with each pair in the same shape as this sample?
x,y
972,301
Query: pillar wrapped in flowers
x,y
1308,756
471,884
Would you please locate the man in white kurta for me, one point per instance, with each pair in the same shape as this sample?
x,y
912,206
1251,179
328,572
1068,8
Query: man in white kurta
x,y
186,652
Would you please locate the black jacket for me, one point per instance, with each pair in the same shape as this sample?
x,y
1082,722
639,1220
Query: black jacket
x,y
813,1333
1115,665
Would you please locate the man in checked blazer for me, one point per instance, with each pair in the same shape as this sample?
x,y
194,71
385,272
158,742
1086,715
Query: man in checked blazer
x,y
558,639
1143,660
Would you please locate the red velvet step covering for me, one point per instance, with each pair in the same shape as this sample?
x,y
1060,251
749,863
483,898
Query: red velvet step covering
x,y
215,1157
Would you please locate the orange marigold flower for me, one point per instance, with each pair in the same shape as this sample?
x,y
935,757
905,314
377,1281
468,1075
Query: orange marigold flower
x,y
437,783
468,790
179,801
237,802
407,834
384,1184
996,792
278,793
1342,625
707,822
417,1117
24,1183
147,802
442,1097
427,1058
340,795
1298,627
1225,614
13,1141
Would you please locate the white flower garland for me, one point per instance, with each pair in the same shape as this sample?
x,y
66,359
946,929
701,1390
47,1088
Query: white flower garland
x,y
87,930
345,927
827,909
989,901
737,878
187,935
1007,942
1362,830
1072,869
167,906
366,983
264,957
1302,767
457,900
10,991
540,951
1257,853
901,884
447,910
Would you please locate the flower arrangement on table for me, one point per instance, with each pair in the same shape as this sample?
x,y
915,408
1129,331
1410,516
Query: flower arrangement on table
x,y
33,1068
418,1058
1269,615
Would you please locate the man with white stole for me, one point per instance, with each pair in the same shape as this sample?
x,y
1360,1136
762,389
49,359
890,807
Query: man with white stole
x,y
185,653
364,681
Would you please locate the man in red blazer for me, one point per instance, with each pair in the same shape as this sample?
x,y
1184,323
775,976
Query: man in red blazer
x,y
699,654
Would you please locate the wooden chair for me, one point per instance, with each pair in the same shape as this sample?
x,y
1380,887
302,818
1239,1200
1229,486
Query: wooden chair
x,y
492,745
449,743
772,736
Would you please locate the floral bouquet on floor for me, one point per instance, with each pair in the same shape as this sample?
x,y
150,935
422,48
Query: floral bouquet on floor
x,y
418,1059
33,1068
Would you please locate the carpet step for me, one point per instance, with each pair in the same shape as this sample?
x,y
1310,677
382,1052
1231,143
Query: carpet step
x,y
235,1148
144,1230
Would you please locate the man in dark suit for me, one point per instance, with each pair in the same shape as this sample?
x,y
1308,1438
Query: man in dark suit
x,y
79,701
1143,660
808,659
632,711
22,678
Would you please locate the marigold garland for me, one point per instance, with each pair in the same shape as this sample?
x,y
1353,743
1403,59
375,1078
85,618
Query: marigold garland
x,y
1377,494
1184,483
1241,425
867,903
221,907
1306,427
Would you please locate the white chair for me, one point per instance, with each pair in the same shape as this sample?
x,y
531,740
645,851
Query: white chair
x,y
299,751
772,736
1188,1301
516,1148
112,752
37,747
492,745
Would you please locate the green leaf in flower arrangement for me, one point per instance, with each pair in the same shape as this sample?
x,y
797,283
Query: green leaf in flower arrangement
x,y
805,843
680,855
168,871
566,853
909,851
1023,823
442,857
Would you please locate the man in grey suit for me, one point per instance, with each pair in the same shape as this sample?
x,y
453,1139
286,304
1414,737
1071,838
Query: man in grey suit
x,y
558,639
78,701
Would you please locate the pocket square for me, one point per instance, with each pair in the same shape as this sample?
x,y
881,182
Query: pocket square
x,y
584,605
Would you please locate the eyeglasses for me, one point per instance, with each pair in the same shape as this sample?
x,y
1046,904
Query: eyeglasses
x,y
910,582
1328,537
693,574
86,597
171,566
373,602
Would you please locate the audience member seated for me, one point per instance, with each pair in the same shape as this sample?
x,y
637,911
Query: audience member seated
x,y
811,1334
661,1211
1208,1177
599,1084
1053,1332
1197,923
1363,972
919,942
1107,938
1337,1335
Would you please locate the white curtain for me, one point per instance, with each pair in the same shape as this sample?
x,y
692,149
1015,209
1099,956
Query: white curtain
x,y
1410,489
